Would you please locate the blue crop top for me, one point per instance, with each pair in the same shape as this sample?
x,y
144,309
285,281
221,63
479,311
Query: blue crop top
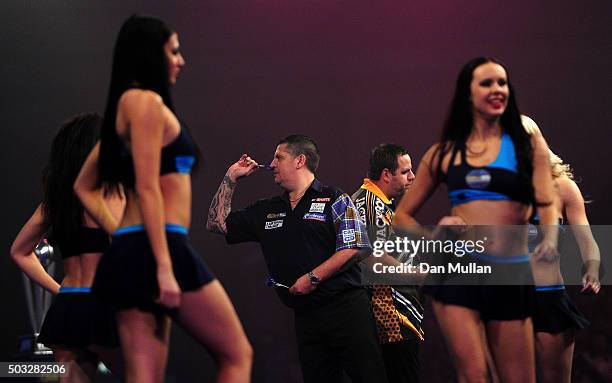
x,y
179,156
499,180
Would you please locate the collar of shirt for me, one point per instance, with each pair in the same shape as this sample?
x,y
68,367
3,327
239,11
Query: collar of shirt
x,y
315,185
371,186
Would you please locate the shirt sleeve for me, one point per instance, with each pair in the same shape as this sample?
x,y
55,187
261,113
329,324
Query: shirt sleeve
x,y
241,225
360,201
350,230
377,221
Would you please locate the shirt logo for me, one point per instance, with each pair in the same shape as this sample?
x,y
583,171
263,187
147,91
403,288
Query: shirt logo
x,y
478,178
317,207
274,224
276,215
387,218
321,199
348,235
315,216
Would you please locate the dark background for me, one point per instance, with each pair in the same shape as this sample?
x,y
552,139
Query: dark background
x,y
351,74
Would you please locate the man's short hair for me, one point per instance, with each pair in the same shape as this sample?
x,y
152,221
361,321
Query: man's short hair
x,y
384,156
299,144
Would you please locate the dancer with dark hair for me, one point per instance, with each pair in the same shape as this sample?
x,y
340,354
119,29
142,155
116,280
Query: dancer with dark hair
x,y
496,174
78,327
151,274
556,318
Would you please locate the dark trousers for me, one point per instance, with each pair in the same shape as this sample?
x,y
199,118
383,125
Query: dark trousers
x,y
402,361
339,335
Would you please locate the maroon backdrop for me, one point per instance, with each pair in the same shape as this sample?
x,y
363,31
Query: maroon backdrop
x,y
351,74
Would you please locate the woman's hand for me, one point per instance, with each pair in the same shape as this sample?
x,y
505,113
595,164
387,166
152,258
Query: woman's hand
x,y
451,220
590,284
169,290
452,223
546,251
590,280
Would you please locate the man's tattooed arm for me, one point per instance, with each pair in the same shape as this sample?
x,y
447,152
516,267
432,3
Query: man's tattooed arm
x,y
221,206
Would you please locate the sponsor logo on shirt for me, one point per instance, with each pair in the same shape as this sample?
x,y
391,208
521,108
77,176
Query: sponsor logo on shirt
x,y
321,199
315,216
274,224
276,215
348,235
317,207
387,218
361,209
478,178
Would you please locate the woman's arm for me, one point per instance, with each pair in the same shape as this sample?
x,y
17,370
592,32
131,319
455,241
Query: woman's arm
x,y
87,188
145,114
574,211
544,198
422,188
22,252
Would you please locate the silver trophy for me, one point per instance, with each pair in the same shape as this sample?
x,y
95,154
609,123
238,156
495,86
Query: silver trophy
x,y
38,301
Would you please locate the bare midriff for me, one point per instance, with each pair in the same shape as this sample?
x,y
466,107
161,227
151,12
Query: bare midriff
x,y
176,196
502,223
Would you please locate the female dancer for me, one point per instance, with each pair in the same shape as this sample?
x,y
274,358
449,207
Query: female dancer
x,y
77,327
151,273
495,173
556,318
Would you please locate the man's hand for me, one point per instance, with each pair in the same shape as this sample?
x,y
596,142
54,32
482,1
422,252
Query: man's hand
x,y
221,204
302,286
244,167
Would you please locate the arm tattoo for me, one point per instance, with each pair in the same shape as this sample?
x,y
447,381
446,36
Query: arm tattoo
x,y
221,206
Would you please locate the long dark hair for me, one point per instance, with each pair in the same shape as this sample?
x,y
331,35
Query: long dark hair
x,y
62,210
138,62
459,122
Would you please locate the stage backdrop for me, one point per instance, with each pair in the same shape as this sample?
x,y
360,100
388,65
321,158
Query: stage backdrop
x,y
351,74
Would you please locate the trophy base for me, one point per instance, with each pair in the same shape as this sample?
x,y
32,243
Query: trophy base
x,y
29,350
32,351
